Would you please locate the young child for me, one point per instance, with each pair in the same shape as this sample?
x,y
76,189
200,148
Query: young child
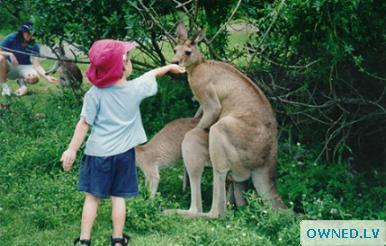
x,y
111,108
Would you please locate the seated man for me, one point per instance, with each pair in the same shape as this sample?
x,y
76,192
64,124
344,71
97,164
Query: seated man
x,y
22,67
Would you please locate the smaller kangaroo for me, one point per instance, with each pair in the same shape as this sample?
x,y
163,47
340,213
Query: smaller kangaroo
x,y
70,74
163,150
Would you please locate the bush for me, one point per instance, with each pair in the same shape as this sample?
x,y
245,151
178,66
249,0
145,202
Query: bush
x,y
320,61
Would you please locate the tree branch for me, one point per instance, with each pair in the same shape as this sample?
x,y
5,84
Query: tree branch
x,y
226,23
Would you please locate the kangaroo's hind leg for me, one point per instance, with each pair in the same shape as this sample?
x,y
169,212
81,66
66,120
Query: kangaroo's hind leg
x,y
235,193
196,157
223,154
264,182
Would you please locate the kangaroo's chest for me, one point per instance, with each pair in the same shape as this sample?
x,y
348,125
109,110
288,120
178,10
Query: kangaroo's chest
x,y
200,81
200,88
193,86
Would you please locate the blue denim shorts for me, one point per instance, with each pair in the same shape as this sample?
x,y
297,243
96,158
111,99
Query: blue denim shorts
x,y
109,176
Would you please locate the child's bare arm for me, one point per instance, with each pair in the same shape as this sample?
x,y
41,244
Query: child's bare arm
x,y
173,68
69,155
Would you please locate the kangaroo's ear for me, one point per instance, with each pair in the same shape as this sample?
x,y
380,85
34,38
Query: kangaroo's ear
x,y
198,36
181,32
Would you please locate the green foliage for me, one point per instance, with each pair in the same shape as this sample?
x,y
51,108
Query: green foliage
x,y
81,22
145,215
5,19
39,204
327,29
322,60
330,191
13,12
150,23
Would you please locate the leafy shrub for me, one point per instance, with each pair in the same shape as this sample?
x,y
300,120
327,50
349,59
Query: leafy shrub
x,y
321,63
144,215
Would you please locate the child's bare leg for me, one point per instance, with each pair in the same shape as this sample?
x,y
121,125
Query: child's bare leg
x,y
118,216
88,215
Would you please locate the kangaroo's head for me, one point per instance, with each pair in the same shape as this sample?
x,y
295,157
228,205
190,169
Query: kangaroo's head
x,y
186,52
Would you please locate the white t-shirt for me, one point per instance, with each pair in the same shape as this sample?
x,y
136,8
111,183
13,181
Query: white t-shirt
x,y
115,117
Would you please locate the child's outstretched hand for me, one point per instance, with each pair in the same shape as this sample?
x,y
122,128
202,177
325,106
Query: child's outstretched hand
x,y
68,159
174,68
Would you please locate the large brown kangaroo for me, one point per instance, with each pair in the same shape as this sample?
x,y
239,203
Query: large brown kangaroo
x,y
242,129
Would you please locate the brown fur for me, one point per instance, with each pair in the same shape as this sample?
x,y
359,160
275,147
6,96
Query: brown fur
x,y
163,150
242,129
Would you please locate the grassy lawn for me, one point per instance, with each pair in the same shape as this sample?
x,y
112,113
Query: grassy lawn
x,y
40,205
4,33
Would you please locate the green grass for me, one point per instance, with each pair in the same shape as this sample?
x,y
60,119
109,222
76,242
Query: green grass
x,y
40,205
4,33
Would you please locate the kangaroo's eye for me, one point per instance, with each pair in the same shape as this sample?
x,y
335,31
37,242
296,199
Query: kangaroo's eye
x,y
188,53
175,50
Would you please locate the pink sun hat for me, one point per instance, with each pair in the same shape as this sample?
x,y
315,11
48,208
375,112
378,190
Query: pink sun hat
x,y
106,61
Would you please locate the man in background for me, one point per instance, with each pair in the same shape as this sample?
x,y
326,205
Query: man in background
x,y
24,68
